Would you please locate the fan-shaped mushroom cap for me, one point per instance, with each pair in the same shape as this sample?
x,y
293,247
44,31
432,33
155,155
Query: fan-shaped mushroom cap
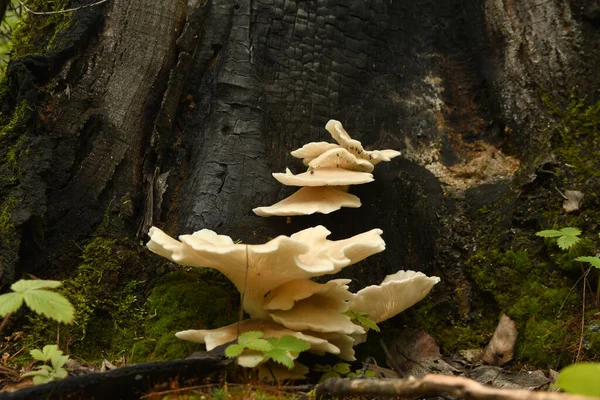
x,y
340,252
317,313
285,296
310,151
324,177
344,342
310,200
340,135
340,158
396,293
226,334
257,269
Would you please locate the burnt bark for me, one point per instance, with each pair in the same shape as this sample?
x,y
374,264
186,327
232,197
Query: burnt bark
x,y
175,114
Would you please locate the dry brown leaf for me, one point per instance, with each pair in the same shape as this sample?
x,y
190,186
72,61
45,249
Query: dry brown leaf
x,y
501,348
572,200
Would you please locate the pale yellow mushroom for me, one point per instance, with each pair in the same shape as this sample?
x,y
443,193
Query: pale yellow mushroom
x,y
309,200
395,294
324,177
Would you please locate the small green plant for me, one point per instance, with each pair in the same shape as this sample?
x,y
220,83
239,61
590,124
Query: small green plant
x,y
282,350
339,370
362,319
46,373
33,292
581,378
595,261
567,237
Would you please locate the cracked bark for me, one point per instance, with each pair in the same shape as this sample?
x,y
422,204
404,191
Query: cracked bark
x,y
176,114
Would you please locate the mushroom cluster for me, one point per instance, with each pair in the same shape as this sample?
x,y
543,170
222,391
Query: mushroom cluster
x,y
331,169
279,295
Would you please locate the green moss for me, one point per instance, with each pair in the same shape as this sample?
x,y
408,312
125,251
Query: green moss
x,y
31,35
180,301
108,314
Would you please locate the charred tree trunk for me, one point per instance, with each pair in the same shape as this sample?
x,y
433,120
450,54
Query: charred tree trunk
x,y
175,114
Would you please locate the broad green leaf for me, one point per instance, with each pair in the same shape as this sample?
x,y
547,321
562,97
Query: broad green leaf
x,y
10,302
566,242
281,356
328,375
250,335
370,374
342,368
367,322
595,261
58,360
257,344
233,350
60,373
291,343
39,372
36,354
50,350
570,231
52,305
24,284
549,233
580,378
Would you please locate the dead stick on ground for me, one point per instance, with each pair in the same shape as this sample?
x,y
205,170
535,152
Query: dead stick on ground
x,y
431,385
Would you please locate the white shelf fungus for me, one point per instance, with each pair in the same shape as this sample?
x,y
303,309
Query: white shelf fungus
x,y
396,293
279,295
329,164
309,200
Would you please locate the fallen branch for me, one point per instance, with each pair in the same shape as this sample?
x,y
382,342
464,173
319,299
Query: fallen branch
x,y
431,385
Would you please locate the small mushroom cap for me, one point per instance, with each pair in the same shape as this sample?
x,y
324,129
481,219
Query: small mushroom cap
x,y
317,313
396,293
310,151
340,252
340,158
324,177
340,135
226,334
310,200
285,296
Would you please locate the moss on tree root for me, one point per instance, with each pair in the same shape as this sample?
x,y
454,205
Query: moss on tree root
x,y
112,318
530,279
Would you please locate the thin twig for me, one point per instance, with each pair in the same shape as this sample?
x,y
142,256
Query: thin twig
x,y
582,319
30,11
241,312
9,371
4,321
432,385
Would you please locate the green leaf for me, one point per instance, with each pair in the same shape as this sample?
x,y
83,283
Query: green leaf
x,y
370,374
367,322
595,261
10,302
580,378
566,242
58,360
36,354
250,335
570,231
233,350
342,368
328,375
281,356
24,284
291,343
60,373
52,305
549,233
49,350
258,345
38,372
